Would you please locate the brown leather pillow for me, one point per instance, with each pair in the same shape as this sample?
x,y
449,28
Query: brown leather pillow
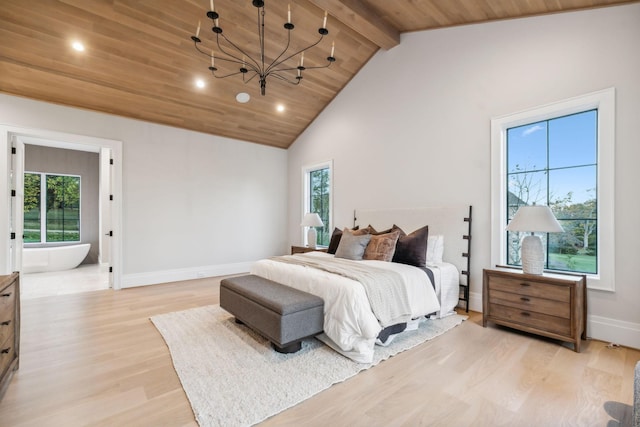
x,y
381,247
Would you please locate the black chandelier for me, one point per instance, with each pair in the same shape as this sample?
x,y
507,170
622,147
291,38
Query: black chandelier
x,y
250,67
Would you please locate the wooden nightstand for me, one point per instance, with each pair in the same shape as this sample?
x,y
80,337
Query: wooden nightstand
x,y
303,249
552,305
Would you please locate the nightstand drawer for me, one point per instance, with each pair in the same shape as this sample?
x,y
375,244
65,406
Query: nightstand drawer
x,y
7,299
531,288
7,326
529,303
7,354
532,319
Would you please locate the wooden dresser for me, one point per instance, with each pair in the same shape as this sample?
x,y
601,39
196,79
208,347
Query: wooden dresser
x,y
553,305
9,328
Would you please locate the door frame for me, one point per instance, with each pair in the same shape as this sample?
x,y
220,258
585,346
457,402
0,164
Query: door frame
x,y
11,249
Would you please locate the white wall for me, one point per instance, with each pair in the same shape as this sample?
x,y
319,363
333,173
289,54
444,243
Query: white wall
x,y
194,205
412,128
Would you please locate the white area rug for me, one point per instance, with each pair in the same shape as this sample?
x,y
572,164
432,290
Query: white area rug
x,y
233,377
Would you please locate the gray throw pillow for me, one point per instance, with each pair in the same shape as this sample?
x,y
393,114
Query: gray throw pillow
x,y
351,246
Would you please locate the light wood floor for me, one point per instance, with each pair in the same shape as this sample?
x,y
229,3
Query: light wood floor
x,y
96,359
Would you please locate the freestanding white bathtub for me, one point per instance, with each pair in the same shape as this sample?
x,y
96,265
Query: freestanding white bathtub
x,y
53,258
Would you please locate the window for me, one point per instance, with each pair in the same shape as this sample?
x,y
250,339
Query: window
x,y
559,155
317,185
554,163
56,199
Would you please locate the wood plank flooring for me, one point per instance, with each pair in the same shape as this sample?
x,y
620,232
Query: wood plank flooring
x,y
95,359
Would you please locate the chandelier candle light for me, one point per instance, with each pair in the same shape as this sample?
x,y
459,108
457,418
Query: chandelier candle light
x,y
534,219
251,67
312,220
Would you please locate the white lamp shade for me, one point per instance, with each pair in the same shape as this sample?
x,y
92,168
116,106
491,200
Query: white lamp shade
x,y
535,219
311,220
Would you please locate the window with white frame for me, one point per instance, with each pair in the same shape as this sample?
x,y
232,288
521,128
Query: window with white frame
x,y
51,208
317,197
559,155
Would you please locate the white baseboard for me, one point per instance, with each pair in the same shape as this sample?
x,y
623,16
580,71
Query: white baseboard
x,y
475,301
166,276
613,330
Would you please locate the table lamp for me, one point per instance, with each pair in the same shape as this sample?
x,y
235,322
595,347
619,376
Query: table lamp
x,y
312,220
534,219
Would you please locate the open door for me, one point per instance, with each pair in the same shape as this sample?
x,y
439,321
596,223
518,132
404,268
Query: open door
x,y
105,202
16,218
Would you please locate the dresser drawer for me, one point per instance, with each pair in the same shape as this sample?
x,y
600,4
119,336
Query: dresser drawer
x,y
8,299
532,319
531,288
529,303
7,326
7,312
7,354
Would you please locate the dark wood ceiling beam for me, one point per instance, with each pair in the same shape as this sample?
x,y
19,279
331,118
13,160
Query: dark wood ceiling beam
x,y
362,20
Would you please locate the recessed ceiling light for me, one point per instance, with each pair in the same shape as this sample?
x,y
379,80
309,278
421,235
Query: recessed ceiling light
x,y
76,45
243,97
280,108
200,83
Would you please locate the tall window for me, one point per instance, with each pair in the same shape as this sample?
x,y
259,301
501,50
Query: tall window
x,y
554,163
317,197
560,155
51,208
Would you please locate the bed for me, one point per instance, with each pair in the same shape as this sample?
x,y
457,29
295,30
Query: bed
x,y
351,327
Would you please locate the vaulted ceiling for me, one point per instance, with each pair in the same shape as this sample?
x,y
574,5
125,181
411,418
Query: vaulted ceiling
x,y
140,62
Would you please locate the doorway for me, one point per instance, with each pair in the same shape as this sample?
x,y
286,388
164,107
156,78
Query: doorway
x,y
110,190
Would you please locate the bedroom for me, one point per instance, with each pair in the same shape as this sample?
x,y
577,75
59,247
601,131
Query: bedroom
x,y
439,108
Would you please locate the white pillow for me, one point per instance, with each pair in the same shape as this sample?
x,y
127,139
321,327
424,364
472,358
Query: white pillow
x,y
435,248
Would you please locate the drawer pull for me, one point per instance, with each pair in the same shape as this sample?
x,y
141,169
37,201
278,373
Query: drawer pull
x,y
5,350
524,284
5,323
6,295
525,299
525,314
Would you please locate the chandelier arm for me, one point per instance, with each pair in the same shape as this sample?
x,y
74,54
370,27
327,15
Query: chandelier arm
x,y
255,67
250,78
274,64
309,68
281,77
261,34
226,75
272,72
201,51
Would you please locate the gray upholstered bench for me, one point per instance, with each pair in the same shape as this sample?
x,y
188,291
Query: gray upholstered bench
x,y
282,314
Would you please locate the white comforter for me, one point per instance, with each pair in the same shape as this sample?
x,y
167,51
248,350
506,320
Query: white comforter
x,y
349,323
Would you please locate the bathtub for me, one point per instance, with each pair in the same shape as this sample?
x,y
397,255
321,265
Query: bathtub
x,y
53,258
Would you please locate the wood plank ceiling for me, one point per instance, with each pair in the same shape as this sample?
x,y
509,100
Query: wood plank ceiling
x,y
140,63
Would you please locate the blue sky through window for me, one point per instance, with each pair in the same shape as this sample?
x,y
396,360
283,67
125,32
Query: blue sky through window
x,y
566,146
